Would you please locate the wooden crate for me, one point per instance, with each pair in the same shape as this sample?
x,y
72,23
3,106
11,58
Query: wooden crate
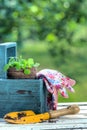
x,y
19,94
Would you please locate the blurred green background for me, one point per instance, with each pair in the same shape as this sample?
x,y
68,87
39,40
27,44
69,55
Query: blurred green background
x,y
53,32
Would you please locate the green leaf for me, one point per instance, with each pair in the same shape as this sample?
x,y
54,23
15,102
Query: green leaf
x,y
12,59
36,64
20,63
6,67
18,67
26,71
30,61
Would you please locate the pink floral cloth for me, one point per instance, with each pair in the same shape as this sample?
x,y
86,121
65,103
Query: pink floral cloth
x,y
55,82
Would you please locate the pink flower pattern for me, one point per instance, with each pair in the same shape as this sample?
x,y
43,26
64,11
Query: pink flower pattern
x,y
55,82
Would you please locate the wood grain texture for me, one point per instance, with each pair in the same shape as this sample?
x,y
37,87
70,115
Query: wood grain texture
x,y
69,122
25,94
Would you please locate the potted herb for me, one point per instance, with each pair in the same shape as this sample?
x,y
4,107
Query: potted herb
x,y
19,68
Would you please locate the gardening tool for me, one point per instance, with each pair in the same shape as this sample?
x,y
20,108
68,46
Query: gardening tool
x,y
27,117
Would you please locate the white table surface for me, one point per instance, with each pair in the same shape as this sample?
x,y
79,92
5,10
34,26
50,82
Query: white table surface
x,y
68,122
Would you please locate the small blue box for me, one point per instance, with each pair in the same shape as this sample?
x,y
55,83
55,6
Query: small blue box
x,y
7,50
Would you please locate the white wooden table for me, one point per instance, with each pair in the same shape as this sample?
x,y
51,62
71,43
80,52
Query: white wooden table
x,y
68,122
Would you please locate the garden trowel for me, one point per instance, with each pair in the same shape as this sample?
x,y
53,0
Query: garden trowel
x,y
28,117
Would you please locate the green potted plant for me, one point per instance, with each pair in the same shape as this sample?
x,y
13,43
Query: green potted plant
x,y
19,68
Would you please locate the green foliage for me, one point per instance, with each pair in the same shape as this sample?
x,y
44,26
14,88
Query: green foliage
x,y
20,19
61,23
20,63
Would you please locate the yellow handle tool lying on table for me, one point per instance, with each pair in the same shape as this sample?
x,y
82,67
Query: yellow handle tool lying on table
x,y
28,117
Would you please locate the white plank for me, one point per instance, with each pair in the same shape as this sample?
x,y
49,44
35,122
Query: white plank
x,y
70,103
55,121
68,122
45,127
74,117
81,107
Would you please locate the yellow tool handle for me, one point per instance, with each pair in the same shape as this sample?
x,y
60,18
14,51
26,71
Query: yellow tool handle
x,y
73,109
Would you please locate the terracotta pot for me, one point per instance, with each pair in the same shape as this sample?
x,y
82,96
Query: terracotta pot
x,y
12,73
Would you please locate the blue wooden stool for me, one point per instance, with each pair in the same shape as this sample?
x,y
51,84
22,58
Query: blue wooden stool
x,y
19,94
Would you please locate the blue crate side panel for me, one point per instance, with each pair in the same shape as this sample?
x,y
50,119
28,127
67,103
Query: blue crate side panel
x,y
2,62
43,99
7,50
19,95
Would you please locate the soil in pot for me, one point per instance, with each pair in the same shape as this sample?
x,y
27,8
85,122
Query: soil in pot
x,y
12,73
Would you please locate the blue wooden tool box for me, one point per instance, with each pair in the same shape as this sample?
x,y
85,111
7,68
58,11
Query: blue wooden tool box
x,y
19,94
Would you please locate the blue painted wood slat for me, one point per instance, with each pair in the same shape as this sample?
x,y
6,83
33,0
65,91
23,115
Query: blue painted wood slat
x,y
19,95
7,50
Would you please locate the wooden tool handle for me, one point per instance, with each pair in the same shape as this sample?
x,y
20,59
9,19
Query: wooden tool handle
x,y
73,109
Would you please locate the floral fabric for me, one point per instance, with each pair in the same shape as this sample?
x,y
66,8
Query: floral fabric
x,y
55,82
